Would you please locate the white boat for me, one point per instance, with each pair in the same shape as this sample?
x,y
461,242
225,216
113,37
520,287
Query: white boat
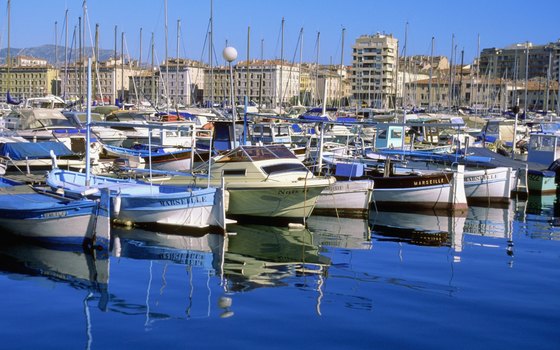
x,y
346,198
266,183
134,202
489,186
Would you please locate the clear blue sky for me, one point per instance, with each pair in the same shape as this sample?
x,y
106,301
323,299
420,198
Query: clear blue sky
x,y
499,23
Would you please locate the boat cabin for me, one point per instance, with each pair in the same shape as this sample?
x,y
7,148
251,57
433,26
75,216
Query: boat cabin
x,y
389,136
543,148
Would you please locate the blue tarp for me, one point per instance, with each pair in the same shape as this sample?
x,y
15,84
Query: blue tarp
x,y
33,150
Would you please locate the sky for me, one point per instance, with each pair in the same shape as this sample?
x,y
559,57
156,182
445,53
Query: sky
x,y
469,25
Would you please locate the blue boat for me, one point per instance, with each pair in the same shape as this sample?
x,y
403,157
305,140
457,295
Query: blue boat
x,y
44,216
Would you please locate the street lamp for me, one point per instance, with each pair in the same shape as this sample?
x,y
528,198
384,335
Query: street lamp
x,y
230,54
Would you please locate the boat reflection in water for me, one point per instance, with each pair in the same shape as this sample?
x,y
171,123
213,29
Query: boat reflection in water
x,y
66,264
264,256
349,233
542,217
418,229
85,271
490,227
172,257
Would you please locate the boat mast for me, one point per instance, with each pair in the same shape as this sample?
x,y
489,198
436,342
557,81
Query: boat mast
x,y
262,74
341,69
8,58
210,54
316,94
281,63
122,67
431,76
177,64
153,75
300,102
450,98
115,69
247,74
526,75
56,92
166,63
65,79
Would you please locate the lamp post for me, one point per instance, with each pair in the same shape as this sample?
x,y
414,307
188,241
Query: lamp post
x,y
230,54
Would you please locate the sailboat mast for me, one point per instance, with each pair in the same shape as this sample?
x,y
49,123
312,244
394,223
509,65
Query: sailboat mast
x,y
65,79
450,97
122,67
8,58
166,62
153,75
262,74
177,63
526,76
431,76
316,94
56,92
115,68
210,54
341,69
300,64
80,75
281,64
247,74
96,60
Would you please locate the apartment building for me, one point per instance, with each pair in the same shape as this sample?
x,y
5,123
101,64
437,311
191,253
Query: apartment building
x,y
374,68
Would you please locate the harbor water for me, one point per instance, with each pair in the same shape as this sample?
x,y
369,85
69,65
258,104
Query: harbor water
x,y
487,280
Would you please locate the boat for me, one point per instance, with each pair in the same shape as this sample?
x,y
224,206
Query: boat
x,y
32,157
346,197
48,217
398,189
107,136
160,158
140,203
264,183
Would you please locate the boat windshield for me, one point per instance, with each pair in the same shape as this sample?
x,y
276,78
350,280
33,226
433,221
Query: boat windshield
x,y
254,153
284,168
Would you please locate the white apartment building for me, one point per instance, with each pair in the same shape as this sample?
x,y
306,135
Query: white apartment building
x,y
374,63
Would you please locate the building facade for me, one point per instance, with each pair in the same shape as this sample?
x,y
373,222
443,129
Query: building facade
x,y
374,68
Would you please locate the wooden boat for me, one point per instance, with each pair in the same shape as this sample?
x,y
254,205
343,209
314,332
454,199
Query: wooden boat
x,y
407,190
346,197
135,202
161,158
48,217
440,192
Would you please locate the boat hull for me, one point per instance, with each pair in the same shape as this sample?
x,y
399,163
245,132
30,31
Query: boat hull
x,y
51,219
440,192
345,199
489,186
283,203
141,203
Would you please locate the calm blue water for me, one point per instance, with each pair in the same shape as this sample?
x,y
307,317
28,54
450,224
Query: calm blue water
x,y
490,280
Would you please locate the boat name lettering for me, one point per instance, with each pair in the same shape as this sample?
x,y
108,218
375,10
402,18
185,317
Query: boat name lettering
x,y
480,177
287,192
182,201
428,182
55,214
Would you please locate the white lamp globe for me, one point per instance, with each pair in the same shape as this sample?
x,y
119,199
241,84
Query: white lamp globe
x,y
230,54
